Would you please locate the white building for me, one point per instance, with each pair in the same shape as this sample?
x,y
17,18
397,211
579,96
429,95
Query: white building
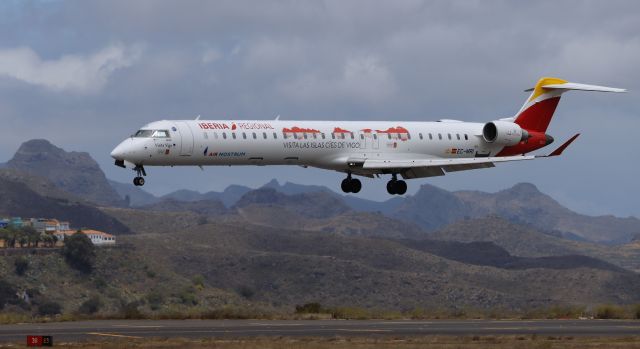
x,y
98,238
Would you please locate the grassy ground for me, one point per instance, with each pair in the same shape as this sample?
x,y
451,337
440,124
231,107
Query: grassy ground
x,y
436,342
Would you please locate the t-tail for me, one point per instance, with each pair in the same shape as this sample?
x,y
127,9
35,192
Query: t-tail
x,y
535,115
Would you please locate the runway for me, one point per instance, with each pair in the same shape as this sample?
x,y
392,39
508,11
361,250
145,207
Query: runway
x,y
88,330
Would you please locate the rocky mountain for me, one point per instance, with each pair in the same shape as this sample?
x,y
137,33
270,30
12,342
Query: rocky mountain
x,y
525,203
203,207
433,208
24,195
284,267
136,195
313,205
526,241
229,196
490,254
73,172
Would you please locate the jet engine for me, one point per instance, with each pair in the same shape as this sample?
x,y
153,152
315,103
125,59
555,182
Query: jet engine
x,y
504,133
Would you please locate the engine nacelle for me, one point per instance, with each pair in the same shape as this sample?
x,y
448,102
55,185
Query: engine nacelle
x,y
504,133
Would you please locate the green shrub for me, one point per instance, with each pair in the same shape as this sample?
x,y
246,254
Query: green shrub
x,y
198,281
609,312
21,264
7,294
130,310
309,308
246,292
350,313
49,308
90,306
79,252
636,311
155,299
188,297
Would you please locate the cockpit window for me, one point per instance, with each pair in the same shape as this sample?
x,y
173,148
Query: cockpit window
x,y
143,133
152,134
161,134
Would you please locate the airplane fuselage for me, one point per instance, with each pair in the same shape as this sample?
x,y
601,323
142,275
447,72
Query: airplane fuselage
x,y
323,144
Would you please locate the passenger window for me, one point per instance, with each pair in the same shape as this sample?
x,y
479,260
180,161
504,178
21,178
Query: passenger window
x,y
333,136
375,136
264,135
430,136
420,135
224,135
352,136
284,135
458,136
440,136
449,135
466,138
361,136
389,135
233,135
322,134
408,135
275,135
305,135
315,135
254,135
244,135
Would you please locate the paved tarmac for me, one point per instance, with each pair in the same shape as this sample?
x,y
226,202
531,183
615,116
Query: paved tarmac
x,y
91,330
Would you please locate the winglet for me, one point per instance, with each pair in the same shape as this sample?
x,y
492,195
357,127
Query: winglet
x,y
563,146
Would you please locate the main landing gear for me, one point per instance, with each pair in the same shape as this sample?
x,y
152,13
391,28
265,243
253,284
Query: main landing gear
x,y
139,180
396,187
351,185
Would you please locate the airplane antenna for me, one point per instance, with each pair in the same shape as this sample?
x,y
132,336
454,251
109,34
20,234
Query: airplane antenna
x,y
277,117
198,117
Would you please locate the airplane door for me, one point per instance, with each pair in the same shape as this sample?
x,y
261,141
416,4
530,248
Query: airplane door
x,y
186,138
364,141
368,140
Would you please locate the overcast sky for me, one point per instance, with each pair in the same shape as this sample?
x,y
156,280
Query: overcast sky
x,y
86,74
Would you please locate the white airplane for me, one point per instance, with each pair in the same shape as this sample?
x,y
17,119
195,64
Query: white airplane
x,y
357,148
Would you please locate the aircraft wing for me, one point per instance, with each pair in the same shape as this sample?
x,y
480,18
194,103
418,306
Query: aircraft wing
x,y
417,168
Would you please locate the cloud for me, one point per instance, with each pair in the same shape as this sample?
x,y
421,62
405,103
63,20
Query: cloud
x,y
75,73
362,79
211,55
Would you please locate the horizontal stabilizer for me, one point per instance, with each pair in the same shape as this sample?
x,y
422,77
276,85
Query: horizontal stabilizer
x,y
562,147
582,87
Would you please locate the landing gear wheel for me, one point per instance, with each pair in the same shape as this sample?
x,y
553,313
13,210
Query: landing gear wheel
x,y
350,185
346,185
396,187
355,185
138,181
401,187
391,187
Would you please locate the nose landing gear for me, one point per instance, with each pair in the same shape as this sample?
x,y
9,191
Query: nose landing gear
x,y
139,180
395,186
351,185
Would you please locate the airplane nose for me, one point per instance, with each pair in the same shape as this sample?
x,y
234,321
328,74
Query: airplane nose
x,y
119,152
